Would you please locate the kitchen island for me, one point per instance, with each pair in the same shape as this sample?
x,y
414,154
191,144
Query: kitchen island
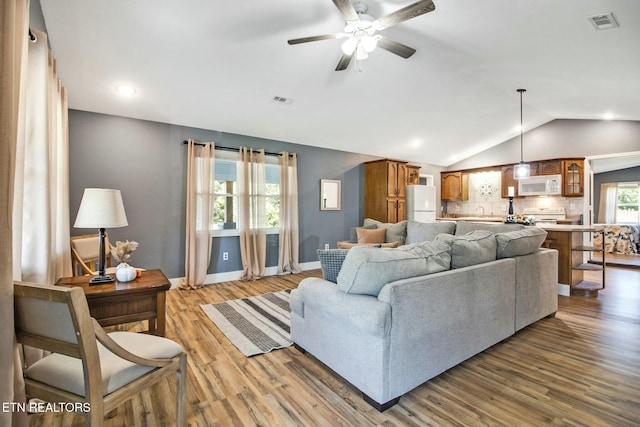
x,y
568,238
569,241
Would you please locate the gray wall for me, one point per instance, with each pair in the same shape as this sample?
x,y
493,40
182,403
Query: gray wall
x,y
562,138
622,175
147,162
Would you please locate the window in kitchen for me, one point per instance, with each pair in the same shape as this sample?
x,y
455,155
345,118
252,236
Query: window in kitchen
x,y
627,204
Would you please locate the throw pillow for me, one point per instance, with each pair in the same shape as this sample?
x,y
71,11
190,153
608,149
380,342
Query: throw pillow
x,y
349,245
473,248
353,236
427,231
395,232
366,270
370,236
520,242
331,262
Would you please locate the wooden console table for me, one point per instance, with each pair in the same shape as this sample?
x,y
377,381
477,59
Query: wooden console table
x,y
122,302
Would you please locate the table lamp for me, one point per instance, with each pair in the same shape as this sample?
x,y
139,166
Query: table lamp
x,y
101,208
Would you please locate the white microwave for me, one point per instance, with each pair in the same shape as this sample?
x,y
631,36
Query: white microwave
x,y
543,185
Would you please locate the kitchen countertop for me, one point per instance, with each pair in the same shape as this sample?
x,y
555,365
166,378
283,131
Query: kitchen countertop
x,y
473,218
562,225
569,227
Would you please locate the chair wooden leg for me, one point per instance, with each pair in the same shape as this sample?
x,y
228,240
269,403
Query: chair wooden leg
x,y
181,406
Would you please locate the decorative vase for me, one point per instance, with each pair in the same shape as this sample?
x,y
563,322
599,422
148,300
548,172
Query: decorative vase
x,y
125,273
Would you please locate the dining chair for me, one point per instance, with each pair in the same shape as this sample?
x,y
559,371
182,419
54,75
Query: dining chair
x,y
85,253
95,370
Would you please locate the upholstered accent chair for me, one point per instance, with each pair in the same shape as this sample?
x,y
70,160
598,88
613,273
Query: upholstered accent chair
x,y
88,365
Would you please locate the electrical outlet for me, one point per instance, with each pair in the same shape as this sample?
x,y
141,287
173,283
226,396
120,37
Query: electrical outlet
x,y
326,246
225,256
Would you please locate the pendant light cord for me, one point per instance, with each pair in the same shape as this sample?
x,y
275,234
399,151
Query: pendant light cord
x,y
521,129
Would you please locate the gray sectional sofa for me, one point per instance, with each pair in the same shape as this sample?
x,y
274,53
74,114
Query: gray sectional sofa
x,y
396,318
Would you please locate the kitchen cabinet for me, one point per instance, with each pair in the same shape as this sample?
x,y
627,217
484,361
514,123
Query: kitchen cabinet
x,y
454,186
413,175
549,167
508,181
385,184
573,177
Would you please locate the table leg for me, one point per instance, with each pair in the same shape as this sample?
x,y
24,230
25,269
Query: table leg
x,y
161,318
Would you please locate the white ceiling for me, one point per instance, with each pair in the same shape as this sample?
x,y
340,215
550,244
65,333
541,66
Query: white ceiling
x,y
216,64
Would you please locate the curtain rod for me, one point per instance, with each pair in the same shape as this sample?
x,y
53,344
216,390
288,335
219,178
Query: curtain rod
x,y
237,150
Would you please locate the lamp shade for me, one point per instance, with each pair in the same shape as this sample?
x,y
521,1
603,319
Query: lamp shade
x,y
101,208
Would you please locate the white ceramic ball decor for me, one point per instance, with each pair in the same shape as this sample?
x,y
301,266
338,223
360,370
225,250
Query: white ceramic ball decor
x,y
125,273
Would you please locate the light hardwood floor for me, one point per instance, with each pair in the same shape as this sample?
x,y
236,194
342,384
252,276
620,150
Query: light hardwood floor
x,y
581,368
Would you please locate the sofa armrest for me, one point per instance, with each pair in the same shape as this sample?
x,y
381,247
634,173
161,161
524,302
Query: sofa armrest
x,y
364,312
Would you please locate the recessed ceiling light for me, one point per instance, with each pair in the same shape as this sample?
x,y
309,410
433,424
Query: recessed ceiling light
x,y
608,116
125,90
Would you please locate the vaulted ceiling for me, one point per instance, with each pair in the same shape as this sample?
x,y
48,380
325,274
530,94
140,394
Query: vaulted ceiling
x,y
219,65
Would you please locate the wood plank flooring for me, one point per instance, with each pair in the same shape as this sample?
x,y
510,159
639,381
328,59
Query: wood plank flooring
x,y
581,368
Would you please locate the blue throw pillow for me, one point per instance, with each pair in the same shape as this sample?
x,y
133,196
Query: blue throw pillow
x,y
331,262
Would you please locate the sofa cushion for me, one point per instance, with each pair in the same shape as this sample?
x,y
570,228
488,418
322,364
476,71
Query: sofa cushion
x,y
464,227
366,270
519,242
331,261
395,232
426,231
473,248
370,236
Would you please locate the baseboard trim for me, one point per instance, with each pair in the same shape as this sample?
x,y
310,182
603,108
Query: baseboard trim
x,y
236,275
564,290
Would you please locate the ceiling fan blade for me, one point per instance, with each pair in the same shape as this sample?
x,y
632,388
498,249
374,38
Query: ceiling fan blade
x,y
344,62
395,47
314,38
346,9
416,9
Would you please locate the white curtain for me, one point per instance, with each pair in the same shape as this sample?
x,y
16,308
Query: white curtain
x,y
41,199
251,213
289,232
199,209
608,203
14,21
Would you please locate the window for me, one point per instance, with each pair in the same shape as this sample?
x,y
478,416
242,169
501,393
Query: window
x,y
225,205
627,205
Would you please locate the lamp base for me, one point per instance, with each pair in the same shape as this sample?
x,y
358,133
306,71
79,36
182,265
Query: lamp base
x,y
100,280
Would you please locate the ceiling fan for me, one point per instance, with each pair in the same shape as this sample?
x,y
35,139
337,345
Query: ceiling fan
x,y
360,30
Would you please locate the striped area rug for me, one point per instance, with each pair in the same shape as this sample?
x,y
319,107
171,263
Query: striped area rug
x,y
255,325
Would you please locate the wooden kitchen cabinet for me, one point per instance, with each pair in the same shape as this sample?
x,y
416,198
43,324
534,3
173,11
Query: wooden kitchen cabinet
x,y
413,175
508,181
385,185
549,167
454,186
573,178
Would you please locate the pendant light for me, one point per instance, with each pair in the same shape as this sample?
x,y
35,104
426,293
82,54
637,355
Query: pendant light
x,y
521,170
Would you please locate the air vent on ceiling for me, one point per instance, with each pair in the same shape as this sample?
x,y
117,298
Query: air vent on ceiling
x,y
603,21
282,100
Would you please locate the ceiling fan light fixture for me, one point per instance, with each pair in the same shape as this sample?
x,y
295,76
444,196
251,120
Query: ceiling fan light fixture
x,y
369,43
361,52
349,46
